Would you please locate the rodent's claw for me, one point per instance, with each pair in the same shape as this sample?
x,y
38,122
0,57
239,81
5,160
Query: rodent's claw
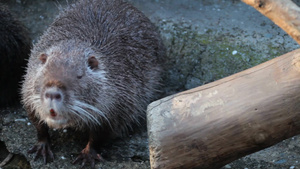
x,y
88,155
42,148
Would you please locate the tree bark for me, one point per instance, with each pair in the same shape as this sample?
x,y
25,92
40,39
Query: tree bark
x,y
214,124
283,13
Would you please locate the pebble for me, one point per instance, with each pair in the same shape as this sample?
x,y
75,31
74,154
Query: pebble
x,y
234,52
282,161
23,120
227,166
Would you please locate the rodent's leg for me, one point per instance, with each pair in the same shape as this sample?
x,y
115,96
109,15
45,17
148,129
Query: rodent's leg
x,y
42,147
89,154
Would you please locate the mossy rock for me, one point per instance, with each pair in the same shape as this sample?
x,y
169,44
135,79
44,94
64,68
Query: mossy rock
x,y
195,58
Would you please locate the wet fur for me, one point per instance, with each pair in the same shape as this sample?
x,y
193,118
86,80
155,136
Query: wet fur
x,y
14,51
115,95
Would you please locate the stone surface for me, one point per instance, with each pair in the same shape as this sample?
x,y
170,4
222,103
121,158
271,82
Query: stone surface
x,y
206,40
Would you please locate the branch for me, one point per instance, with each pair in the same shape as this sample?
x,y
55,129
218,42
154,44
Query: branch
x,y
283,13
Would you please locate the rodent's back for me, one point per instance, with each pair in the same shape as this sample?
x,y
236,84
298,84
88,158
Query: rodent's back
x,y
105,24
113,28
14,51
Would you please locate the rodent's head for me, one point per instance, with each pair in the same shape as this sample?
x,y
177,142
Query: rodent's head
x,y
69,84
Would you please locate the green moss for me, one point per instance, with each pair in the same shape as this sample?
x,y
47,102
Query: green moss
x,y
207,56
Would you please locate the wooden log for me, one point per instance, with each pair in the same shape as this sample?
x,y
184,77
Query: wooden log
x,y
214,124
283,13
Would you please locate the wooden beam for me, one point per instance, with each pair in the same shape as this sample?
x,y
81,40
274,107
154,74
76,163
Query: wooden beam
x,y
212,125
283,13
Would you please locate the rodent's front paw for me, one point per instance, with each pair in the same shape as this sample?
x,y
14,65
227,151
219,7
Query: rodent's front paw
x,y
88,155
42,148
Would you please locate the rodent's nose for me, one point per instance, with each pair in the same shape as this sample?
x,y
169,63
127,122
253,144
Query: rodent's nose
x,y
53,95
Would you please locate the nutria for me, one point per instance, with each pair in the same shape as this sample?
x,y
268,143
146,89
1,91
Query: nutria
x,y
96,67
14,52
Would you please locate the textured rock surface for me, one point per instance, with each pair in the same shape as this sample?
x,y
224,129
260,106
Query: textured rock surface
x,y
206,40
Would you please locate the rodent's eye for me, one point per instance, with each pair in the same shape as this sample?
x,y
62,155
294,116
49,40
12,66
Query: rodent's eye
x,y
93,62
43,58
79,77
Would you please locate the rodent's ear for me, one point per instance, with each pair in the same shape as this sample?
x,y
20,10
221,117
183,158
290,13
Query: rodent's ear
x,y
43,57
93,62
